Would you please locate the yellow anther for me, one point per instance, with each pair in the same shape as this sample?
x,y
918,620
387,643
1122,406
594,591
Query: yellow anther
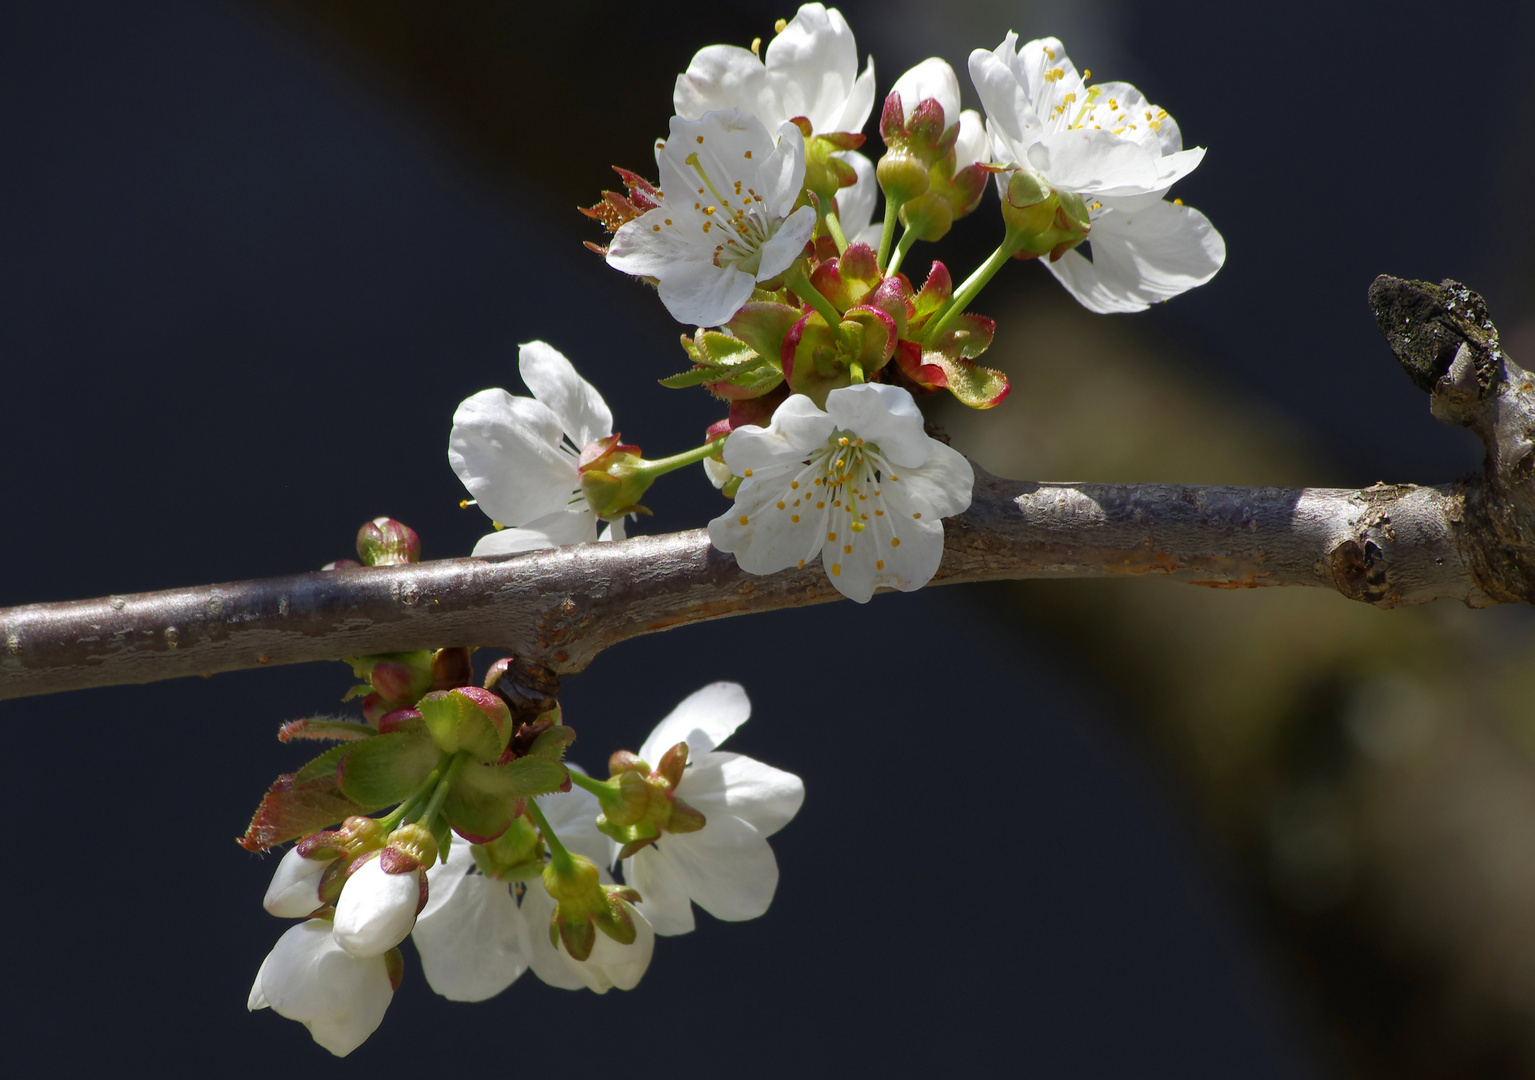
x,y
756,46
778,27
836,569
1087,73
847,549
858,526
747,473
1049,52
842,441
820,506
840,462
748,155
743,519
668,221
794,484
794,518
801,564
832,537
657,228
917,516
879,564
895,541
464,504
1177,202
879,513
780,504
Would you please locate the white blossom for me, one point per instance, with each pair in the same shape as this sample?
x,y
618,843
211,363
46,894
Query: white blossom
x,y
476,935
860,484
310,978
808,70
376,910
471,936
610,964
295,889
726,219
856,203
727,867
518,455
1116,150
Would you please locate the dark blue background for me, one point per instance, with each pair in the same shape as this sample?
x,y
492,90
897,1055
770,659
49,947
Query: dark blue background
x,y
239,300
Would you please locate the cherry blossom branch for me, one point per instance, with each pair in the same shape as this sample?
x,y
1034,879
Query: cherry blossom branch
x,y
1386,545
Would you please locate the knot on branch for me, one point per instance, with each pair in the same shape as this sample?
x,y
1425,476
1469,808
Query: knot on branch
x,y
1448,345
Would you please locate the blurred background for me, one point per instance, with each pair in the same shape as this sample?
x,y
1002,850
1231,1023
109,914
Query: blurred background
x,y
255,252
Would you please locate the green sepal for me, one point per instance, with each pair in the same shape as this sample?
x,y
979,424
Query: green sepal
x,y
468,719
698,375
385,769
551,744
442,832
322,768
288,812
485,799
763,326
723,350
360,690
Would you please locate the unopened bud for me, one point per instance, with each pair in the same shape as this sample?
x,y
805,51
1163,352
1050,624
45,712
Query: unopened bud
x,y
902,176
387,542
410,847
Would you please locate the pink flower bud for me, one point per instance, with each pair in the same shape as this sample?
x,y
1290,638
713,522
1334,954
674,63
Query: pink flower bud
x,y
377,909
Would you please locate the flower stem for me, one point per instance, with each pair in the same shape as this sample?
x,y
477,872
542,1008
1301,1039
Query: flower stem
x,y
440,796
598,788
662,466
887,231
390,820
968,291
908,238
834,227
563,862
812,296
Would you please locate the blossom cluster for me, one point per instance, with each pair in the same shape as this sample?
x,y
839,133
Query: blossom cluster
x,y
499,855
762,234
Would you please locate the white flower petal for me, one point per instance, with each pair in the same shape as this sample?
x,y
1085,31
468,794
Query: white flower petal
x,y
547,960
941,487
474,946
295,889
797,428
376,910
772,526
724,783
1092,162
727,868
782,172
812,66
340,998
860,102
507,452
614,965
882,414
1142,257
665,904
933,78
786,245
560,529
582,413
614,530
856,202
972,145
703,720
723,77
1009,111
444,876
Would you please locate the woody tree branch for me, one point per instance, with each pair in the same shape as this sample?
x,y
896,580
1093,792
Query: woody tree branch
x,y
1472,540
